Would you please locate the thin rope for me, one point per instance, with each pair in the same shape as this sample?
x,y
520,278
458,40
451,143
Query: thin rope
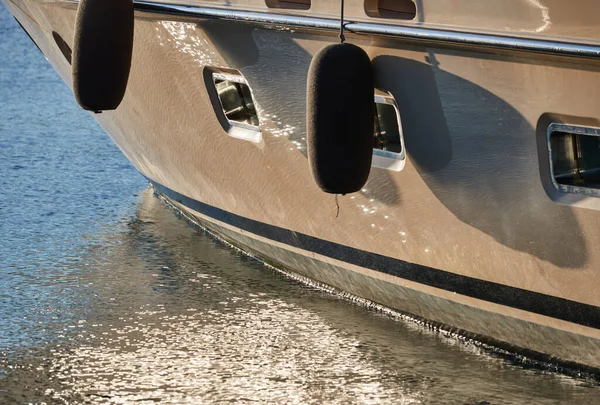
x,y
337,204
342,37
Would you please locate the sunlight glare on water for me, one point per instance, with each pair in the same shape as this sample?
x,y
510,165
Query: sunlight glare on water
x,y
109,296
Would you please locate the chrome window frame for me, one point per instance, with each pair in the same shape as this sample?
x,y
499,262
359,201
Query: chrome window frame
x,y
383,159
239,130
571,129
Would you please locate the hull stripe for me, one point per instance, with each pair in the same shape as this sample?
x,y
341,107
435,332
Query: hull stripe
x,y
526,300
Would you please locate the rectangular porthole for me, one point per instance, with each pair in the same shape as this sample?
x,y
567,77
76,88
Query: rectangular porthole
x,y
574,158
235,107
389,141
289,4
393,9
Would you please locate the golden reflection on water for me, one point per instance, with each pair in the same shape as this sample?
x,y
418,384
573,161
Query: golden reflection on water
x,y
165,313
245,348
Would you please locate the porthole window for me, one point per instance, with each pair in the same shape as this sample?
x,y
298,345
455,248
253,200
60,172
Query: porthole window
x,y
392,9
289,4
389,141
574,153
234,104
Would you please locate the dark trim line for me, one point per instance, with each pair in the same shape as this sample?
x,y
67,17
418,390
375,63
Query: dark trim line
x,y
542,304
413,33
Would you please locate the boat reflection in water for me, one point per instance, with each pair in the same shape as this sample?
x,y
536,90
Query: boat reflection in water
x,y
165,311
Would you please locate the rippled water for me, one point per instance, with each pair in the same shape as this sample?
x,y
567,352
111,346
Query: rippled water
x,y
108,296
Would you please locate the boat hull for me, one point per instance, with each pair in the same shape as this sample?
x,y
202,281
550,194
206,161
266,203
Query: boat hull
x,y
470,234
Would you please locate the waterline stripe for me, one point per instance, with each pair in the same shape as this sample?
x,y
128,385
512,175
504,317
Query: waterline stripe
x,y
399,31
530,301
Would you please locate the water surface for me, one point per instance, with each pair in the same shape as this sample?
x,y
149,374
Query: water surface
x,y
108,296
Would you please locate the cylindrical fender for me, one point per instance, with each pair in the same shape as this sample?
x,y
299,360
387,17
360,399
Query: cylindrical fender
x,y
102,50
340,118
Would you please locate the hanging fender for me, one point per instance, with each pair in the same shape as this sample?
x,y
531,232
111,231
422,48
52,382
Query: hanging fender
x,y
340,118
102,50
